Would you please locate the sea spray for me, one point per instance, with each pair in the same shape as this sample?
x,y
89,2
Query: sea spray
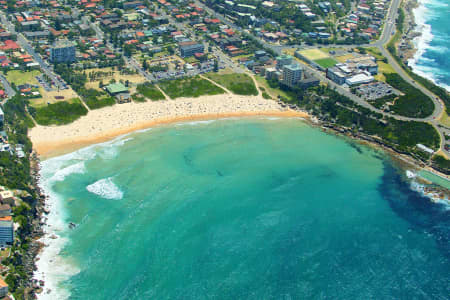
x,y
433,45
52,268
105,188
248,209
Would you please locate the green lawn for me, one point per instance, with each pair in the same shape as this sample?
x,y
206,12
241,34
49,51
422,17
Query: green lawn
x,y
375,52
275,92
189,87
97,99
99,102
326,62
445,119
19,77
240,84
59,113
149,91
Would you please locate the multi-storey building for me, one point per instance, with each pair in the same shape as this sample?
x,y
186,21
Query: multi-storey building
x,y
292,74
62,51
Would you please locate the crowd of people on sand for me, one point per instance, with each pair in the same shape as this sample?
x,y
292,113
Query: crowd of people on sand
x,y
102,124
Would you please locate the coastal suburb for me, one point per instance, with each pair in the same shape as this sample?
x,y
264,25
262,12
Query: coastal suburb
x,y
74,73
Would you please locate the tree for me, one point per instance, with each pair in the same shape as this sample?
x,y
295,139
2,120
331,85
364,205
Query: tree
x,y
216,66
127,50
144,65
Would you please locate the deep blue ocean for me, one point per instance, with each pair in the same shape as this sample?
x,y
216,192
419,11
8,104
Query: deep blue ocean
x,y
432,58
239,209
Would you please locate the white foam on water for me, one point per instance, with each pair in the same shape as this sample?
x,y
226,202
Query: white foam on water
x,y
143,130
105,188
109,150
433,196
422,14
61,174
53,268
193,123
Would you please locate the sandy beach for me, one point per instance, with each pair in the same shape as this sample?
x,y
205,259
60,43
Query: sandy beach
x,y
106,123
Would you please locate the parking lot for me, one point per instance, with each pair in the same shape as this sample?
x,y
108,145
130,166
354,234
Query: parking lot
x,y
376,90
44,83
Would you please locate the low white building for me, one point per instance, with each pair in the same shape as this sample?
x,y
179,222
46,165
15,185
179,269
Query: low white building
x,y
425,148
359,79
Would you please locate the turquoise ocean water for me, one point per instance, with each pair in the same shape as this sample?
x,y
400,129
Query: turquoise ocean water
x,y
239,209
431,59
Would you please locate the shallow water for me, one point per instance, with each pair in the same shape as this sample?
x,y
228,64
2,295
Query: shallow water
x,y
241,209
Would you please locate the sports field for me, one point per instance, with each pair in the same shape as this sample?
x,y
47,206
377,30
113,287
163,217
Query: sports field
x,y
326,62
313,54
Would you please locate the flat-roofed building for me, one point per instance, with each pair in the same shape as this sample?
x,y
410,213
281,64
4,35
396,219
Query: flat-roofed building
x,y
308,82
6,196
62,51
283,60
6,230
5,210
360,78
336,75
189,48
116,88
292,74
3,288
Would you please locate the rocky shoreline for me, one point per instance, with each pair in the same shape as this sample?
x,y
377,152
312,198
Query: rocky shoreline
x,y
34,287
406,47
405,160
401,158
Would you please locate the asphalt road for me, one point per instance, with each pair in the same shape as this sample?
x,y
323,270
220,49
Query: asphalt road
x,y
8,89
389,30
23,42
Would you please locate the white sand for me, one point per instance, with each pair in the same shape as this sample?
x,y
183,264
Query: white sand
x,y
103,124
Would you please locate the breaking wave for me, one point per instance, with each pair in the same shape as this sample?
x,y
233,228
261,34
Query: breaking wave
x,y
105,188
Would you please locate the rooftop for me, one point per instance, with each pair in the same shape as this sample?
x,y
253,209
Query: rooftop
x,y
62,44
115,88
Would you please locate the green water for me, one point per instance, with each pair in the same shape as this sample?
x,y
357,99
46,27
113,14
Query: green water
x,y
240,209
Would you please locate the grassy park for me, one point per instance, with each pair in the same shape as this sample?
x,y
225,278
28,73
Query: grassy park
x,y
19,77
105,75
313,54
149,91
326,62
59,113
240,84
274,92
189,87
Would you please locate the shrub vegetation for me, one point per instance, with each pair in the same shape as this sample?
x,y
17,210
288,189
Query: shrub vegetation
x,y
413,103
189,87
59,113
150,91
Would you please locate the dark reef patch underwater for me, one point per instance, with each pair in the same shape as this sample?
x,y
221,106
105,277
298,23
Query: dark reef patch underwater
x,y
239,209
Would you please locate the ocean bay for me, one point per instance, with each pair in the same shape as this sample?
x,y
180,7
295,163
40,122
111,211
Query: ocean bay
x,y
242,208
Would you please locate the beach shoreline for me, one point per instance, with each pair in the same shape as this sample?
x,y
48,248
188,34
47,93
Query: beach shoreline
x,y
107,123
419,34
